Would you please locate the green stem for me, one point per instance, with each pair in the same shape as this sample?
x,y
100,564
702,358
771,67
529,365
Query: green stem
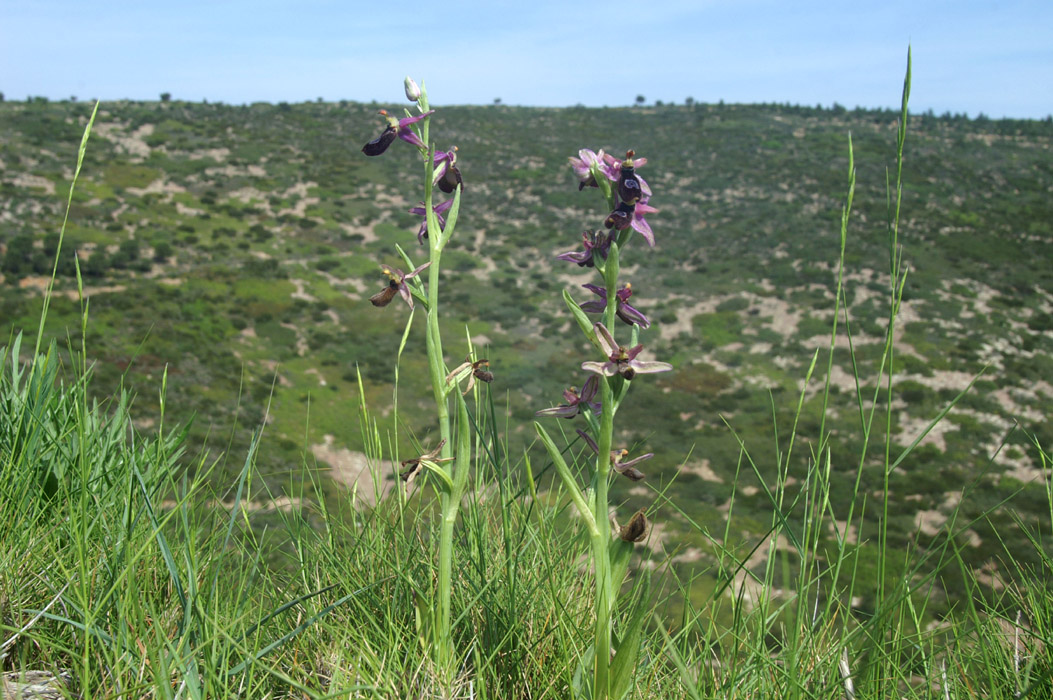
x,y
610,280
436,365
449,499
601,546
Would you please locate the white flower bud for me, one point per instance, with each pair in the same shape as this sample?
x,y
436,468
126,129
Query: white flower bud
x,y
412,91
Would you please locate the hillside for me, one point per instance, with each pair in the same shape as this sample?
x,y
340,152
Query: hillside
x,y
238,245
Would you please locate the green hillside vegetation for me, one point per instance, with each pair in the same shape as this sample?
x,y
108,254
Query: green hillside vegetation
x,y
227,254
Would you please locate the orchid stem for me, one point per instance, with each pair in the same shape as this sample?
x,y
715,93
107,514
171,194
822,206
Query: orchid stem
x,y
601,545
449,498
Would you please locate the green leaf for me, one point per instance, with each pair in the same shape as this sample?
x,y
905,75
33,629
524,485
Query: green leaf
x,y
584,322
568,480
581,683
619,553
451,219
627,650
405,337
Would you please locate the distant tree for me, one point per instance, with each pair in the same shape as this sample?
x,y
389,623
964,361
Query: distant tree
x,y
497,100
162,251
18,258
51,243
166,97
1,97
658,103
640,99
689,101
72,98
127,253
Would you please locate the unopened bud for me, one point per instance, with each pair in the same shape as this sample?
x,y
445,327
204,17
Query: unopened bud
x,y
412,91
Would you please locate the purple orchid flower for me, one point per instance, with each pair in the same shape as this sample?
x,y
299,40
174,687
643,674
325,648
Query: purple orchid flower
x,y
612,168
594,242
447,176
396,285
583,166
395,128
626,312
439,210
576,403
621,218
630,188
632,215
621,360
621,465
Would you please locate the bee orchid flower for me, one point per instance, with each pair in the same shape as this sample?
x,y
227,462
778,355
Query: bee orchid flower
x,y
582,166
396,285
576,403
411,468
439,209
594,243
396,128
621,360
447,176
614,168
479,369
625,467
626,312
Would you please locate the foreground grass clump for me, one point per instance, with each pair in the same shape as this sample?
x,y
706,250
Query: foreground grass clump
x,y
130,578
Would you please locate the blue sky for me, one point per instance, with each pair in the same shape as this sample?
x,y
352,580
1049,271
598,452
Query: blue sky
x,y
968,56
